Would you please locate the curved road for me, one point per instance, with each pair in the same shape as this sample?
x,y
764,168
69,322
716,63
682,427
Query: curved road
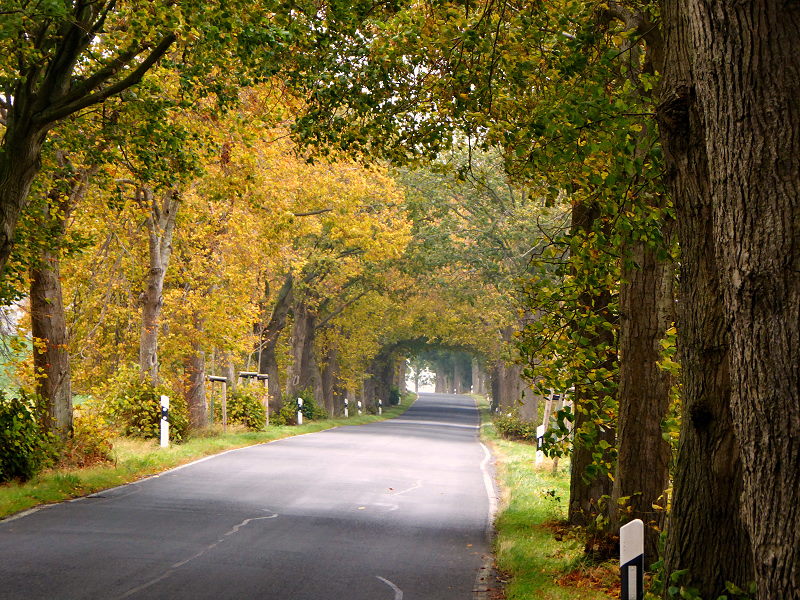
x,y
391,510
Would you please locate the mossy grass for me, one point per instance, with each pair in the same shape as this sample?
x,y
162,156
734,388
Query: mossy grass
x,y
535,553
138,458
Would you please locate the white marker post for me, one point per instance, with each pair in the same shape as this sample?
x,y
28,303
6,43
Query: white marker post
x,y
540,431
299,411
359,407
164,421
380,407
346,410
631,559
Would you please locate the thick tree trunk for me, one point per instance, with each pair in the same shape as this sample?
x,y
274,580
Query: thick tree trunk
x,y
401,369
747,84
529,407
442,379
643,456
300,375
19,163
706,535
160,227
48,320
195,374
586,489
332,391
270,334
50,354
379,383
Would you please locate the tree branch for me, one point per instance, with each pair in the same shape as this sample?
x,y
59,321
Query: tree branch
x,y
313,212
64,110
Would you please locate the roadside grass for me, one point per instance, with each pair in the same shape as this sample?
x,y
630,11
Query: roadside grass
x,y
138,458
536,555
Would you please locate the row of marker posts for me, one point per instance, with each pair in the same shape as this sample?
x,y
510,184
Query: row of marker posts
x,y
164,430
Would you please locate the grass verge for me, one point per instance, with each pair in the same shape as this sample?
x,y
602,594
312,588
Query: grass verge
x,y
136,458
535,553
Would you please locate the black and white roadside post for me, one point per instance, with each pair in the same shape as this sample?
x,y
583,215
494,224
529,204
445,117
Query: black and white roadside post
x,y
359,407
631,559
299,411
346,408
224,382
164,421
380,407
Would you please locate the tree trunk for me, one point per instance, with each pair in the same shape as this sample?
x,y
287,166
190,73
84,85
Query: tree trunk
x,y
705,533
379,383
270,334
19,163
643,456
332,390
458,375
48,320
402,373
529,406
440,380
586,488
50,353
160,227
300,375
747,83
195,374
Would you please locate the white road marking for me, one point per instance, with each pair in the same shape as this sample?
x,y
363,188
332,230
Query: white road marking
x,y
483,577
488,483
398,593
173,567
417,485
25,513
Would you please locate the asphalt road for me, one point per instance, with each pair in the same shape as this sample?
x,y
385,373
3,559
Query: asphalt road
x,y
391,510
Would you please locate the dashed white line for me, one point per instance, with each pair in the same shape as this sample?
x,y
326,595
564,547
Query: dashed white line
x,y
173,567
416,485
398,593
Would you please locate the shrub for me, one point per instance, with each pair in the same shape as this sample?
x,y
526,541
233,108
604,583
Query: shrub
x,y
511,427
136,410
90,442
245,407
25,447
394,396
288,413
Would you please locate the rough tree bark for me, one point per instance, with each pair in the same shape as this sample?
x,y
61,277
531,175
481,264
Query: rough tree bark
x,y
586,492
643,456
333,392
705,533
195,377
48,321
270,333
160,228
380,378
50,353
746,80
300,375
